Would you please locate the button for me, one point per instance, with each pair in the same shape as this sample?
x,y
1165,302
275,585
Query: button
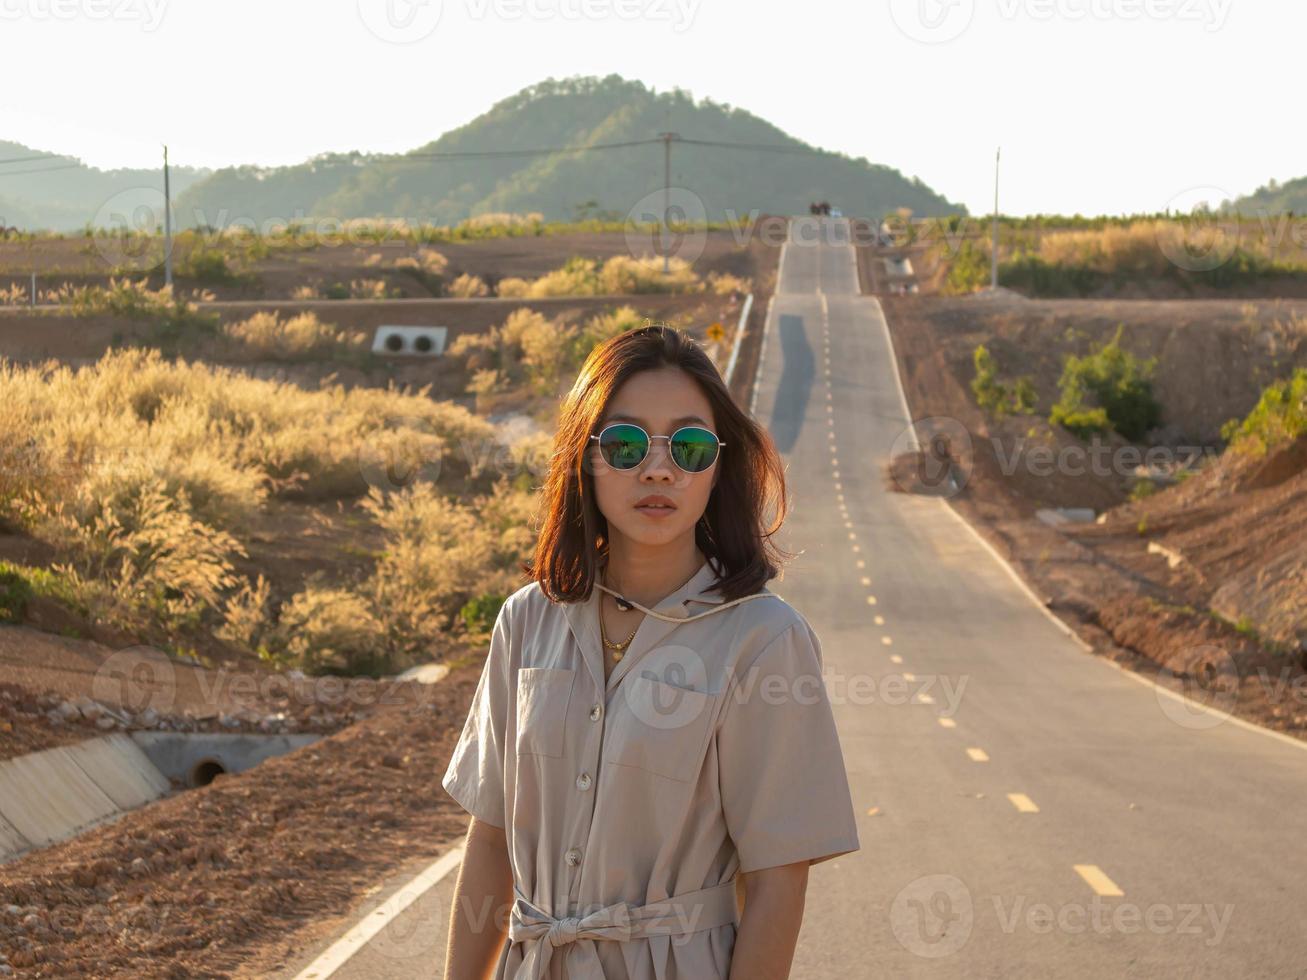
x,y
572,857
583,781
596,711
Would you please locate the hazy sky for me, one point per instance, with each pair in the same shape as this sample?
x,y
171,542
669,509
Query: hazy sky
x,y
1101,106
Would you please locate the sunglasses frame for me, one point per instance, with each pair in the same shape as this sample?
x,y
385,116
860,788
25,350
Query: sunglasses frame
x,y
595,437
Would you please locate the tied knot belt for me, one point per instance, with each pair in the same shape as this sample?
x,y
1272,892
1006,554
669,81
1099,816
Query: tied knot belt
x,y
679,915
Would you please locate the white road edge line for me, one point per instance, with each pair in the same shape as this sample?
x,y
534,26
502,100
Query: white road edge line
x,y
1012,572
338,953
766,323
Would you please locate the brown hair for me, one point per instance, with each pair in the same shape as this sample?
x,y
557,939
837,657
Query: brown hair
x,y
751,480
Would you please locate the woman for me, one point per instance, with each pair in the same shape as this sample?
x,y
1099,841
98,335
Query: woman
x,y
650,731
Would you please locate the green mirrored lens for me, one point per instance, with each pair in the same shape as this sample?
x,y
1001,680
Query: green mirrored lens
x,y
623,446
694,448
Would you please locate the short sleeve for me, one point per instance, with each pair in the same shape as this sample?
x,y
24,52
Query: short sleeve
x,y
785,792
475,776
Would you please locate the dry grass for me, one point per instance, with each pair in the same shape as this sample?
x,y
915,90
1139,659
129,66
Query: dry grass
x,y
467,286
144,473
533,352
267,336
619,275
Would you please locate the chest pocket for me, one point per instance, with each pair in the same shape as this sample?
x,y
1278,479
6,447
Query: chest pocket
x,y
660,727
543,694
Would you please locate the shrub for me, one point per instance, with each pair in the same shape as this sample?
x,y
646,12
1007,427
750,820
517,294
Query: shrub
x,y
468,286
620,274
15,593
327,630
510,287
206,265
1119,385
480,612
266,335
1080,422
603,326
994,396
1142,489
428,265
439,554
724,283
1279,416
623,274
968,271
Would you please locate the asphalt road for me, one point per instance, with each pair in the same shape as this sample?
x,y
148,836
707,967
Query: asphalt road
x,y
1025,808
1199,826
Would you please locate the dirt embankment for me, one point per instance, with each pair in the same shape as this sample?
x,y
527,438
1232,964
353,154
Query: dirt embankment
x,y
1201,583
231,878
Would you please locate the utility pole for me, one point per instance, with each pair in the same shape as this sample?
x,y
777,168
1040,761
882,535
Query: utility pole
x,y
167,223
993,266
667,197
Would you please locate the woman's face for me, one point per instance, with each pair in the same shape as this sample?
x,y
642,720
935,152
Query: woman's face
x,y
660,401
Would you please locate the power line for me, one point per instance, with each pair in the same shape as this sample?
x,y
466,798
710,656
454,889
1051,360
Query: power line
x,y
542,151
549,150
41,156
767,147
38,170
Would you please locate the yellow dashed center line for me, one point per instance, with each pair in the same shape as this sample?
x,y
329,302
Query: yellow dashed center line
x,y
1023,803
1098,881
947,723
977,755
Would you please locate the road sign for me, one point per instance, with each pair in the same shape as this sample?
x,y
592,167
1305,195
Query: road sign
x,y
716,333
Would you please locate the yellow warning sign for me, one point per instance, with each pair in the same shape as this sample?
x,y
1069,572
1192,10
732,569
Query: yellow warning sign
x,y
715,332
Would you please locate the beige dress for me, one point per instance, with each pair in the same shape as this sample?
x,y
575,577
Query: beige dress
x,y
631,806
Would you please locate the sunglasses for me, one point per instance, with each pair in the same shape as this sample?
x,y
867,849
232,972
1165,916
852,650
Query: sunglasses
x,y
624,445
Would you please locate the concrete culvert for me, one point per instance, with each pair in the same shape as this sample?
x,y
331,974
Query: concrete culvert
x,y
395,342
206,771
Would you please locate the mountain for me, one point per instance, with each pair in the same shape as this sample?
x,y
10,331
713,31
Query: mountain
x,y
566,113
1275,198
61,193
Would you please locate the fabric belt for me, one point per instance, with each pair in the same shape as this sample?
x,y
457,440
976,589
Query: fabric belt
x,y
679,915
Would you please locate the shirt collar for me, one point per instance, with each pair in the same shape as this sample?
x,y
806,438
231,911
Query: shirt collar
x,y
699,588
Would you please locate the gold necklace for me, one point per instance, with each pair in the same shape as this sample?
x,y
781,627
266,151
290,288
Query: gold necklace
x,y
618,649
